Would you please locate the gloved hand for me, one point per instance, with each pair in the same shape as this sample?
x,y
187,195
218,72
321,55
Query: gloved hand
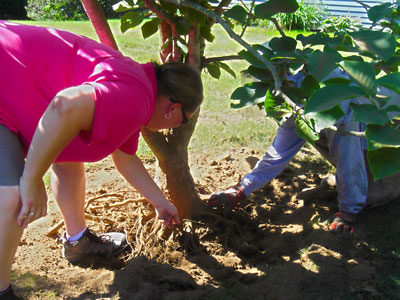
x,y
228,198
343,222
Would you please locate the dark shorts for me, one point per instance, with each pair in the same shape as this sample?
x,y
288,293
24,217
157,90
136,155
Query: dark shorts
x,y
12,158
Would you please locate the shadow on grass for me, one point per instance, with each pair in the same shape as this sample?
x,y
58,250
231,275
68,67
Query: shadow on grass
x,y
31,286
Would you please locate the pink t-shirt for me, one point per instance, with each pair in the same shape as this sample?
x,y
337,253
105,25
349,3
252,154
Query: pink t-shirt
x,y
38,62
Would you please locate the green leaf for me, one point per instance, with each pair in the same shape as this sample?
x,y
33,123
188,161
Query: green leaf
x,y
265,51
384,162
166,43
121,6
249,94
228,69
183,26
390,81
286,55
285,43
205,32
354,58
294,93
325,119
309,85
382,44
337,80
214,70
331,95
279,112
362,73
321,64
131,20
260,74
169,7
305,132
196,16
382,137
379,12
369,114
391,108
270,102
250,58
237,13
182,45
150,27
312,39
268,9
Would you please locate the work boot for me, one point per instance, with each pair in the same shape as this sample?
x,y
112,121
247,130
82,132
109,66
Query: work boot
x,y
8,294
91,247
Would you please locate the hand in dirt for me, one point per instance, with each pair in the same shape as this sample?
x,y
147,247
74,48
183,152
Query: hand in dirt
x,y
168,214
228,198
34,202
343,223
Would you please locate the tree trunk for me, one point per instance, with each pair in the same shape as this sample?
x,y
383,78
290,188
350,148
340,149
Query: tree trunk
x,y
170,148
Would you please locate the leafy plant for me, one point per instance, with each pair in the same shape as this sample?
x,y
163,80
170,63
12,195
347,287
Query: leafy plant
x,y
369,57
340,24
62,10
307,17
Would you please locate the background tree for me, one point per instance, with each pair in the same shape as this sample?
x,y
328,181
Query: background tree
x,y
13,10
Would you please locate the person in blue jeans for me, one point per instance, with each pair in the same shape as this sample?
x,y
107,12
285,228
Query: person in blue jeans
x,y
356,188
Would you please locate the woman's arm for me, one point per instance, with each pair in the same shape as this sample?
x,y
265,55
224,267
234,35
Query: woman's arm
x,y
131,167
68,113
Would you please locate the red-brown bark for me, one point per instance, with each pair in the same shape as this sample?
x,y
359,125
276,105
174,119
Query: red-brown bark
x,y
96,15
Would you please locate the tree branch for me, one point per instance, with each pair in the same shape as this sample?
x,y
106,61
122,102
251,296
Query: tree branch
x,y
273,20
347,132
206,61
160,13
220,9
248,18
366,7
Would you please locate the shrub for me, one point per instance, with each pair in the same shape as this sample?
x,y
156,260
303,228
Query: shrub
x,y
308,17
340,24
61,10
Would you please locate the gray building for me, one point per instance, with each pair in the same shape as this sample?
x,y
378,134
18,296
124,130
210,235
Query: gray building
x,y
349,8
340,8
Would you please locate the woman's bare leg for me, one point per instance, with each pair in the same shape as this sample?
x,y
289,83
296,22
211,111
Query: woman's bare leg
x,y
10,232
68,185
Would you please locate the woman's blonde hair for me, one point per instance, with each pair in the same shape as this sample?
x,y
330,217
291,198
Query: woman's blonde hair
x,y
181,82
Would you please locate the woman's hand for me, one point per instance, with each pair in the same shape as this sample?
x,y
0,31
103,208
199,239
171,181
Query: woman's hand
x,y
34,201
167,213
131,167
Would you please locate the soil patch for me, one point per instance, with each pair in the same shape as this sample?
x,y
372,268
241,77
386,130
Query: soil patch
x,y
276,245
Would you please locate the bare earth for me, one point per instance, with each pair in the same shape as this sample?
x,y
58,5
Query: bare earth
x,y
274,246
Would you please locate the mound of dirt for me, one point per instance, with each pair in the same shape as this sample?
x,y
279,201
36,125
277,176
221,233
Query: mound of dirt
x,y
274,246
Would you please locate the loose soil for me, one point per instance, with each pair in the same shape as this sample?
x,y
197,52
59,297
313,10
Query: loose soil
x,y
275,245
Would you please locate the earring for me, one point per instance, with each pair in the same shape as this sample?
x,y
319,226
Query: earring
x,y
167,116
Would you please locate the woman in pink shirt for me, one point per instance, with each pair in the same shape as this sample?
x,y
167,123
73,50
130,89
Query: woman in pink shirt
x,y
65,100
